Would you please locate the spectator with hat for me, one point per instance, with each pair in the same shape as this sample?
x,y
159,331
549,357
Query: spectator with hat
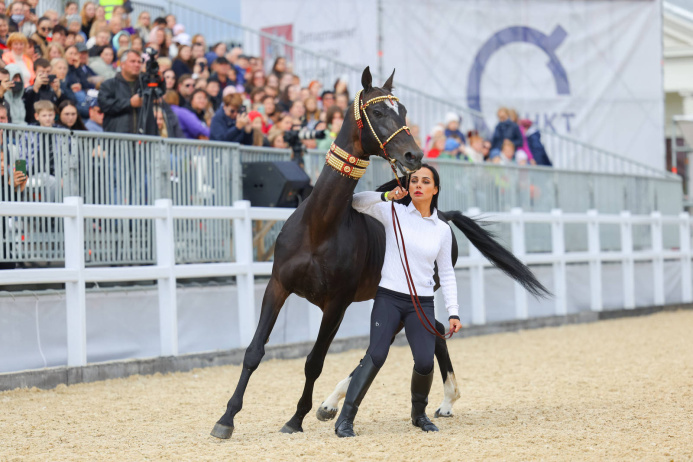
x,y
452,127
95,121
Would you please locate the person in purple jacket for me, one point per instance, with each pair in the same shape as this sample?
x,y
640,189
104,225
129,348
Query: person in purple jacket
x,y
192,127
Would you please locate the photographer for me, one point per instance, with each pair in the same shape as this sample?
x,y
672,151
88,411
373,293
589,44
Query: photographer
x,y
231,123
46,87
118,97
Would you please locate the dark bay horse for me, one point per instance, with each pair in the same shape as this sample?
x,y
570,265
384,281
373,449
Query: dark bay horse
x,y
332,255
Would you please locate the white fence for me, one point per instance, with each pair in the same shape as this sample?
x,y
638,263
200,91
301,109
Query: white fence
x,y
75,274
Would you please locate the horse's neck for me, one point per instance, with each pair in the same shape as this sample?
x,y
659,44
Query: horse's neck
x,y
333,193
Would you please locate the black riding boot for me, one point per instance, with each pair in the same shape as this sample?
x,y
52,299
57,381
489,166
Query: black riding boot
x,y
360,382
420,386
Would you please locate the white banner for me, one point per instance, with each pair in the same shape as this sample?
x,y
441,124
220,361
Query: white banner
x,y
588,68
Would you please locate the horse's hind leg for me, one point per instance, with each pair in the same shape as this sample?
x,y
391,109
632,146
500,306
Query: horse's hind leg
x,y
272,302
450,390
331,320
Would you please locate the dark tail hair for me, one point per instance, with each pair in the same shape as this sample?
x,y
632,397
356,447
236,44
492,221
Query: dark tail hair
x,y
497,254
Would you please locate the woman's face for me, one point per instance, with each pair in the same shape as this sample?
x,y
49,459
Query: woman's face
x,y
18,48
279,142
145,19
160,38
286,123
184,53
311,105
170,79
199,101
160,119
272,81
100,13
257,123
54,52
337,121
90,10
4,28
123,42
136,43
60,69
107,55
422,186
72,56
213,89
258,78
71,9
68,116
281,65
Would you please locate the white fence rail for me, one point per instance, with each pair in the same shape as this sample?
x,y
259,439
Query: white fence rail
x,y
75,274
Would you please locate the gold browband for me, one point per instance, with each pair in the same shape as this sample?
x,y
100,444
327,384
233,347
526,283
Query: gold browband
x,y
362,107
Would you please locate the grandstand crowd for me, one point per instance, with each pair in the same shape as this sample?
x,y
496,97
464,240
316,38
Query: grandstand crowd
x,y
79,69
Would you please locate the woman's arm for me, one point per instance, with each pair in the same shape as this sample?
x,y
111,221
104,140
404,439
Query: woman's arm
x,y
371,203
446,273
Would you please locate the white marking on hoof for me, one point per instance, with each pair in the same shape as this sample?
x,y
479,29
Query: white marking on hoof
x,y
451,394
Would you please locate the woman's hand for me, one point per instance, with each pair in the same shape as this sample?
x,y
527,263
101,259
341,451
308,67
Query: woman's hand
x,y
455,325
396,194
20,179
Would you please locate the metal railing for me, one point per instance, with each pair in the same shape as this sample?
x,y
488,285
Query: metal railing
x,y
116,169
166,271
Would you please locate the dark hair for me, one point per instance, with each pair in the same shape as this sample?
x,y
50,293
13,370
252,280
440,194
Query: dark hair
x,y
59,29
41,62
406,200
331,113
221,60
79,125
42,18
4,71
327,92
159,21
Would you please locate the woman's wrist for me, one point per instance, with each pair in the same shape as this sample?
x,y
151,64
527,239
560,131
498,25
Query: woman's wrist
x,y
453,317
383,196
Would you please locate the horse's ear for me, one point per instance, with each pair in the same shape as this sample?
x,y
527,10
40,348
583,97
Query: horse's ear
x,y
388,83
367,79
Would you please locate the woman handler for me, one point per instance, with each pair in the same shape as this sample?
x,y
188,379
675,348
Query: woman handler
x,y
428,241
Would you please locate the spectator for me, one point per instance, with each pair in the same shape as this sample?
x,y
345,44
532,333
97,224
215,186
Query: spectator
x,y
186,86
5,86
438,145
17,181
170,21
228,124
256,80
121,40
537,147
269,108
77,79
68,116
164,63
39,156
17,44
276,138
290,94
507,153
137,45
184,62
102,64
312,112
327,99
273,82
342,101
59,68
170,79
13,97
40,37
258,125
199,103
74,26
279,67
505,130
298,113
213,89
334,120
115,25
191,126
59,35
95,121
4,32
143,25
43,89
523,124
452,127
222,68
285,81
119,99
341,87
88,16
474,148
30,19
16,16
53,16
55,50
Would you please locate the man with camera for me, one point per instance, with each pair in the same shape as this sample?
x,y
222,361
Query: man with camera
x,y
231,123
119,97
46,87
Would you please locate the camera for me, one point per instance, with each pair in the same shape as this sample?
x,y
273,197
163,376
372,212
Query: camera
x,y
294,137
151,89
51,78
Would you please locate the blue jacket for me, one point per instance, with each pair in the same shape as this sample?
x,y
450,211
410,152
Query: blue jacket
x,y
537,147
223,128
192,126
506,130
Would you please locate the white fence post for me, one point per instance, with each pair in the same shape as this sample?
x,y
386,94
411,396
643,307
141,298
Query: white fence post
x,y
243,246
75,296
627,262
476,273
594,249
558,251
166,257
685,249
518,240
658,260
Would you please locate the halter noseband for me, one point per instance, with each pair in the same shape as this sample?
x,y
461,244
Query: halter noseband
x,y
349,165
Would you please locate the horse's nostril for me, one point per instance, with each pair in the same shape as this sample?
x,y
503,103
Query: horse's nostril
x,y
409,156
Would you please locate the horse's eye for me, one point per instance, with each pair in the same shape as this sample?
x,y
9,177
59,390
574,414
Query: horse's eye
x,y
377,113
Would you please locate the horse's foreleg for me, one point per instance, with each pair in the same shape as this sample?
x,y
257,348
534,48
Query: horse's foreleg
x,y
450,390
331,320
272,302
328,409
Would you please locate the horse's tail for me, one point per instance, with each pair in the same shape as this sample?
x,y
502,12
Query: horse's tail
x,y
501,258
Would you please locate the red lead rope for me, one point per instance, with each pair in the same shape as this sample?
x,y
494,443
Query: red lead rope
x,y
425,322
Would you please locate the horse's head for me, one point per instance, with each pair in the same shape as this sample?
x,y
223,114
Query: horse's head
x,y
384,130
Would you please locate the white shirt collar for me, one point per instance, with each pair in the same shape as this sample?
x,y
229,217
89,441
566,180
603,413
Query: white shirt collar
x,y
412,209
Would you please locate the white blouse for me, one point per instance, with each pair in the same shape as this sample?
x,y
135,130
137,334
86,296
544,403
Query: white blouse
x,y
428,240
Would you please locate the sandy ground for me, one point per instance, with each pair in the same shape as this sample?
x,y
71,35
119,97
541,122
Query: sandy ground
x,y
615,390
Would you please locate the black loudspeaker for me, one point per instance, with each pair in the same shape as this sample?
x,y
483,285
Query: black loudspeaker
x,y
275,184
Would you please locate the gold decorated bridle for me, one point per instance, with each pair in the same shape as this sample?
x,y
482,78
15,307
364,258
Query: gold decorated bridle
x,y
349,165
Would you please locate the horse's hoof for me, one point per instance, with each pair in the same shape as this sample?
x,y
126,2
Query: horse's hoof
x,y
442,414
326,413
222,431
289,429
